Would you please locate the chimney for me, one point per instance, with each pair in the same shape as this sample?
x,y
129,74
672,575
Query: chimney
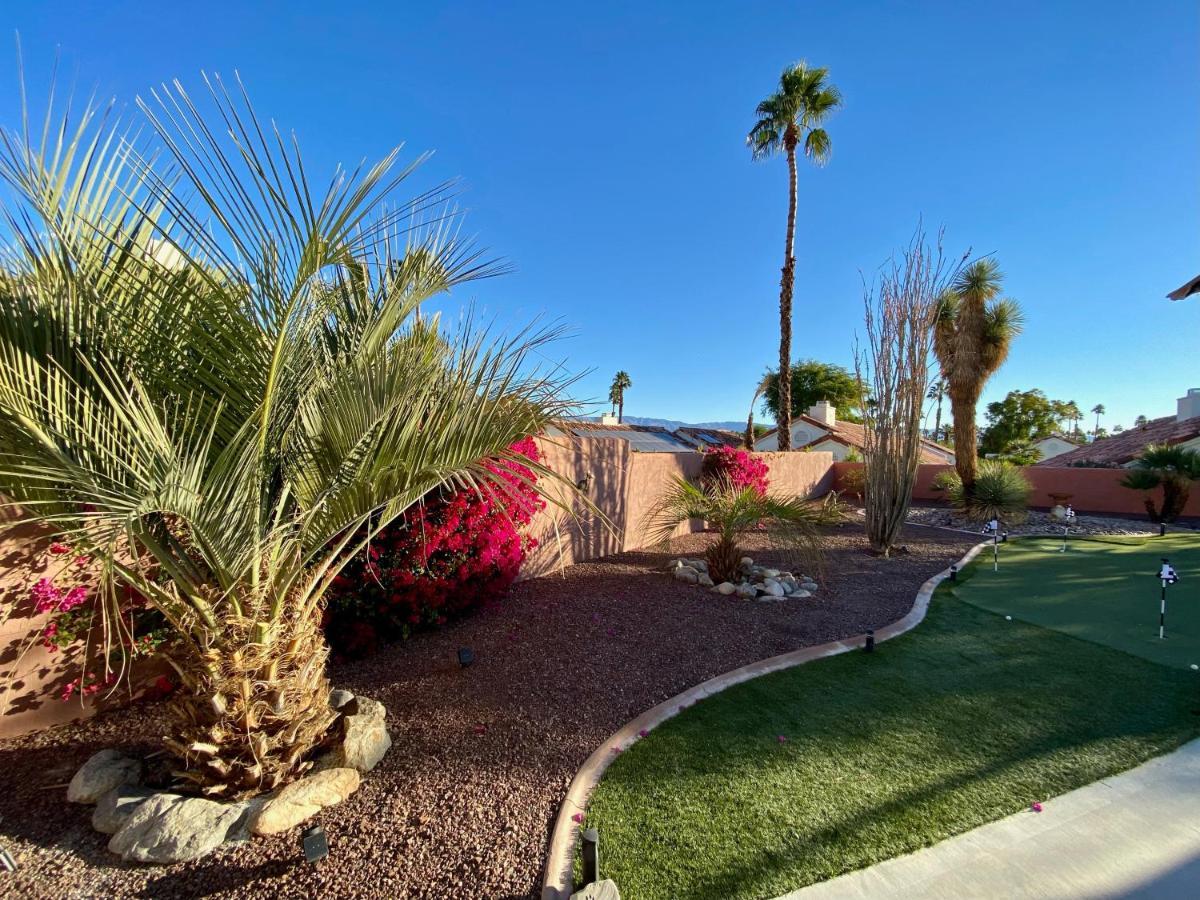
x,y
1188,406
826,414
607,419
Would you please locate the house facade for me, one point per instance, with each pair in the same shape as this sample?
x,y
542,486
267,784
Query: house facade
x,y
1123,449
820,429
1054,445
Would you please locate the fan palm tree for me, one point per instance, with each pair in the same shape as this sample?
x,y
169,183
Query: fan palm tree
x,y
975,329
1169,467
790,118
732,512
748,437
937,393
616,393
213,383
1099,410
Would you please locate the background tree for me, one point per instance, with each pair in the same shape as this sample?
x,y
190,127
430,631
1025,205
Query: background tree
x,y
975,329
813,381
616,393
937,393
1140,422
750,435
1099,410
1072,413
787,119
222,428
893,370
1018,420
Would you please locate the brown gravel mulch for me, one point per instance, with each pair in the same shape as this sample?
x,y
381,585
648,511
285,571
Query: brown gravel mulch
x,y
463,804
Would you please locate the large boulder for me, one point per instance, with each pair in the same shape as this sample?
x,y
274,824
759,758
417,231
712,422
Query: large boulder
x,y
168,828
103,772
114,808
303,799
365,737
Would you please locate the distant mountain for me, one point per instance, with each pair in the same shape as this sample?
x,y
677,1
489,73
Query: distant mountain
x,y
672,424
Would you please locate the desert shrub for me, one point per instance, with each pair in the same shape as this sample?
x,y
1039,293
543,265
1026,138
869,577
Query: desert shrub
x,y
854,481
1172,469
451,554
1001,492
736,468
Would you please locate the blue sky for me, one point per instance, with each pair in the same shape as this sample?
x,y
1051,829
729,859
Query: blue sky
x,y
601,147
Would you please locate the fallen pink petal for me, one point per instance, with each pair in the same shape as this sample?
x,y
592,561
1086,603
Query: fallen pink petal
x,y
643,733
1036,807
577,818
782,739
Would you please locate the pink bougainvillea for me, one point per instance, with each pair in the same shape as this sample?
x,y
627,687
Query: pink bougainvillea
x,y
739,468
455,551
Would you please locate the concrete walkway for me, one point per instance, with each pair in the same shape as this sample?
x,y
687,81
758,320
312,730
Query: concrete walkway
x,y
1136,835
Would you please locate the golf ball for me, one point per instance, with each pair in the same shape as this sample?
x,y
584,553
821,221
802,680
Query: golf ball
x,y
1008,618
1195,667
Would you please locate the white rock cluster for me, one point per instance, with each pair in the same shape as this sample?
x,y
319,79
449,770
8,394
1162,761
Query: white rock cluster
x,y
152,826
754,582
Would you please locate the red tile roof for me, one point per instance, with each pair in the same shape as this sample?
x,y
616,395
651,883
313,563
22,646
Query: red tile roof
x,y
1127,446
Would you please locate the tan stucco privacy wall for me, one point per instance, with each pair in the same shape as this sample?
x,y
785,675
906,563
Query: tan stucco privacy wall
x,y
626,486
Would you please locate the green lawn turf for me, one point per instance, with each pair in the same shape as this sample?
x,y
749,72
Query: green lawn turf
x,y
964,720
1100,590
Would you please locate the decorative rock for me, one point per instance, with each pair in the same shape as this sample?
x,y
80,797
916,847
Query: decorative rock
x,y
746,563
103,772
726,588
366,737
168,828
598,890
705,581
303,799
770,573
802,594
687,576
746,591
114,808
339,698
239,832
773,588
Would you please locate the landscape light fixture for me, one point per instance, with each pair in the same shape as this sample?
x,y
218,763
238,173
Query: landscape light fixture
x,y
1162,529
954,573
869,646
315,844
590,855
466,656
1166,575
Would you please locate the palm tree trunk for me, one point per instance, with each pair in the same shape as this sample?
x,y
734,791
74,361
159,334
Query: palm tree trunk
x,y
251,712
966,457
784,419
748,438
620,407
937,420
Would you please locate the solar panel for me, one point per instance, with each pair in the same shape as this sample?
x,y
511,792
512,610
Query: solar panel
x,y
643,441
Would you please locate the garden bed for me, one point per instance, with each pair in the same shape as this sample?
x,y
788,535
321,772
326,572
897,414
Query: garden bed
x,y
463,804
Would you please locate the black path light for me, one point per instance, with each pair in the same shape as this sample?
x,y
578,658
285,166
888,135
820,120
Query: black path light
x,y
590,856
1166,575
869,646
315,844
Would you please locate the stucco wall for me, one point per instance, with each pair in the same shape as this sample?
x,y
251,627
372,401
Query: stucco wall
x,y
1096,491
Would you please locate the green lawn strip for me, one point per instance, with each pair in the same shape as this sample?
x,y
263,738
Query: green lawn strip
x,y
964,720
1099,590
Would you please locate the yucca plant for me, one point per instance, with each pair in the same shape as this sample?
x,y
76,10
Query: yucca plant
x,y
789,522
1169,467
1001,492
215,381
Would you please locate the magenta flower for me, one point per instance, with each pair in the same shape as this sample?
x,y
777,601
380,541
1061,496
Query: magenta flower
x,y
1036,807
781,738
643,733
577,818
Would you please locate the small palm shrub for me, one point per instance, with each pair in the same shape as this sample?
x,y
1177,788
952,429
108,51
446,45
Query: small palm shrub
x,y
1001,492
732,512
739,468
1173,469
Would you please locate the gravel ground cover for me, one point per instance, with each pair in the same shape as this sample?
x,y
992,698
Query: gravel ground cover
x,y
463,804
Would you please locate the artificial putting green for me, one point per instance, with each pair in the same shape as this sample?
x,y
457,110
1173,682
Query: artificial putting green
x,y
964,720
1101,590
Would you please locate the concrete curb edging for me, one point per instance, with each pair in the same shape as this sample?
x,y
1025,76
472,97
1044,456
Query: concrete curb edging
x,y
559,877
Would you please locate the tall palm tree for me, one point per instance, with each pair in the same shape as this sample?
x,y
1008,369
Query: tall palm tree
x,y
975,329
1099,410
937,392
1073,414
616,392
213,383
787,119
748,437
